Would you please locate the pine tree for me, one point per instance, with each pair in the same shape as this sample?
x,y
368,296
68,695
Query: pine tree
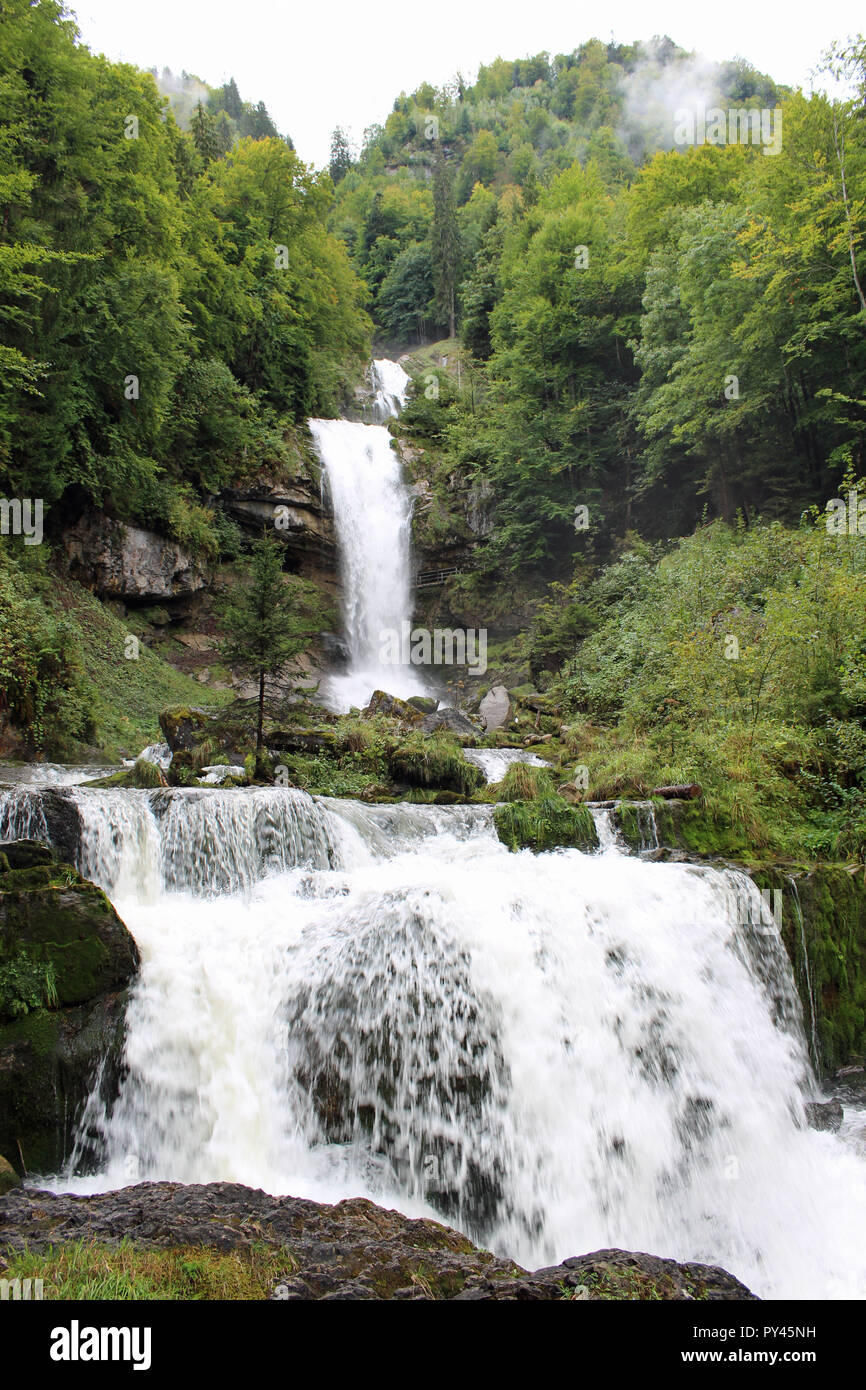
x,y
341,154
203,131
265,623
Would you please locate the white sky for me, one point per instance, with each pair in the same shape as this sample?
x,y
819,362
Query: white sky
x,y
324,63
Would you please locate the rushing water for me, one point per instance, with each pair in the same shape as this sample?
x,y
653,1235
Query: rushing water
x,y
557,1053
372,517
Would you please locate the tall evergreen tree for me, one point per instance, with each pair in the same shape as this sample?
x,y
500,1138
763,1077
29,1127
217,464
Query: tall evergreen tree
x,y
264,623
341,154
204,133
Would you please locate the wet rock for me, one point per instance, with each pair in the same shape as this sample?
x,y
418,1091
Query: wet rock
x,y
65,959
425,704
495,709
824,1115
686,791
354,1250
334,650
619,1275
850,1083
571,792
26,854
121,561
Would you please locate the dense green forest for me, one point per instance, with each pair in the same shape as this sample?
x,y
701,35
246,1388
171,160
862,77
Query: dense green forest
x,y
169,298
650,331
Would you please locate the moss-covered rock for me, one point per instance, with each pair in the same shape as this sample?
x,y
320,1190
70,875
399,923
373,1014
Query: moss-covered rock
x,y
8,1177
65,960
699,828
436,761
823,925
183,726
546,823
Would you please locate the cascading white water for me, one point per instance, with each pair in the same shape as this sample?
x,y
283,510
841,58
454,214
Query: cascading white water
x,y
495,762
391,382
557,1053
372,517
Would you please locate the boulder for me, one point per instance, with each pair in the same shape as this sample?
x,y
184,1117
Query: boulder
x,y
126,562
183,727
383,703
571,792
425,704
65,962
495,709
689,791
8,1177
302,740
450,719
824,1115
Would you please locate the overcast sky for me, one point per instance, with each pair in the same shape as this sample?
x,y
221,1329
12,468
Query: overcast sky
x,y
341,62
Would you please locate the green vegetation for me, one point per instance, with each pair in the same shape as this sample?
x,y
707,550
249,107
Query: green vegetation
x,y
86,1270
548,822
706,351
25,985
268,621
735,661
66,683
171,299
435,760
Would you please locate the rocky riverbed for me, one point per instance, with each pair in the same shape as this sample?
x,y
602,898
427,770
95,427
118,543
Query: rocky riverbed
x,y
354,1250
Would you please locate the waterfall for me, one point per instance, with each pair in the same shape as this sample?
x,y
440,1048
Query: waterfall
x,y
372,516
557,1053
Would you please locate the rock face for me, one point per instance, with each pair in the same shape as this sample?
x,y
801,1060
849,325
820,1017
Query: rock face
x,y
120,561
65,961
449,719
495,709
354,1250
300,519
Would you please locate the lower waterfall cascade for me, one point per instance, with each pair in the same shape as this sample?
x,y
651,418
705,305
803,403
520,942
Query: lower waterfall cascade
x,y
555,1053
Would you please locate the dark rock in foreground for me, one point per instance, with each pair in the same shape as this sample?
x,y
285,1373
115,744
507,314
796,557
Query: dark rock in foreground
x,y
354,1250
66,960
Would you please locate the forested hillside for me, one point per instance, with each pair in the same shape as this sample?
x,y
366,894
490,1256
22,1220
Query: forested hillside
x,y
170,298
651,331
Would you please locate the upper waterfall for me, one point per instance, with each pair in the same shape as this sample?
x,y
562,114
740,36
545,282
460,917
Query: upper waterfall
x,y
372,517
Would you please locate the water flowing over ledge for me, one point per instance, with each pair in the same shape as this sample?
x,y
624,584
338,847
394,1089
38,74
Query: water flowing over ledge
x,y
372,516
557,1053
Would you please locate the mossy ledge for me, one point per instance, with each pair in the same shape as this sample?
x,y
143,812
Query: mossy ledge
x,y
546,823
823,917
223,1240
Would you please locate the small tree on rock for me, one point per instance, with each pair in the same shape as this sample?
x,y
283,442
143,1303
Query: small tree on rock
x,y
268,621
